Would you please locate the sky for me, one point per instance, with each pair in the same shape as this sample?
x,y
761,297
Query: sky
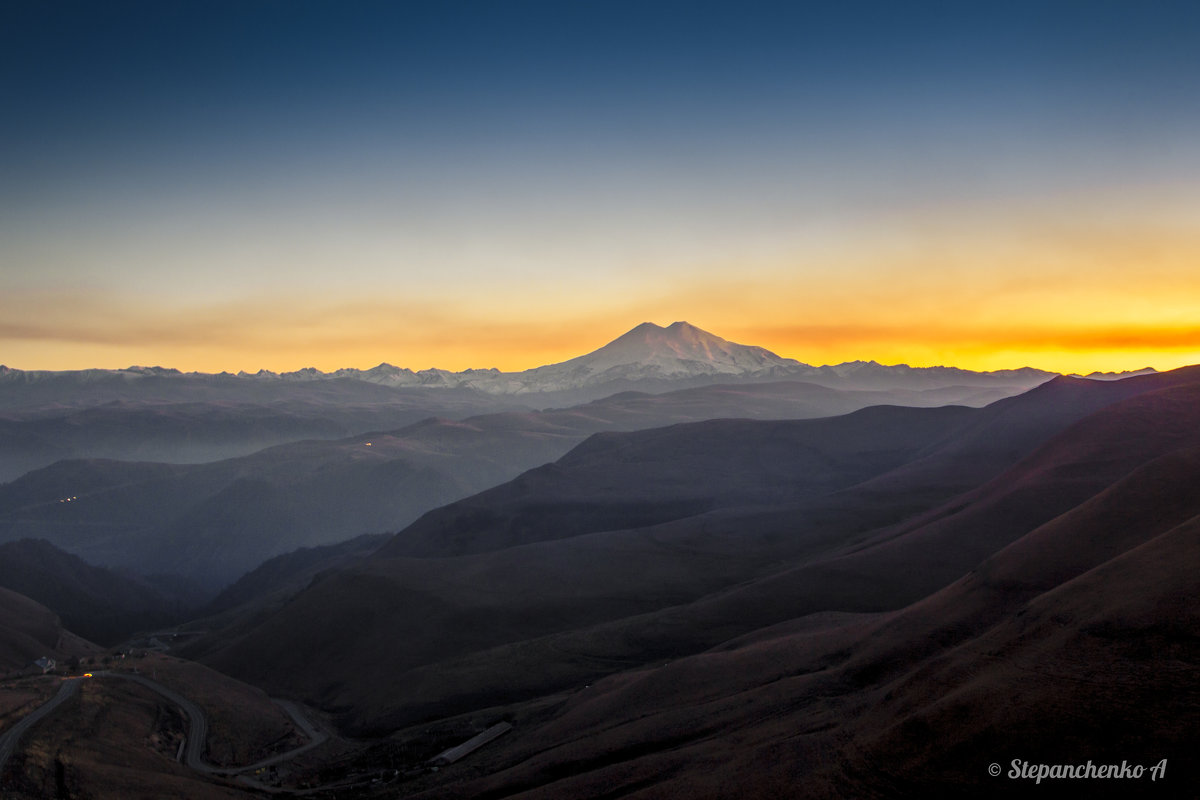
x,y
286,183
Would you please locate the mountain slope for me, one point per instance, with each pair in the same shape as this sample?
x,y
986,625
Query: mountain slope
x,y
494,592
653,358
189,433
29,631
1010,428
215,521
1076,643
617,481
94,602
512,599
648,351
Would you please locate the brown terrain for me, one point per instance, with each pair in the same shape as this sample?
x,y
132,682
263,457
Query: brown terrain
x,y
116,738
882,604
818,634
29,631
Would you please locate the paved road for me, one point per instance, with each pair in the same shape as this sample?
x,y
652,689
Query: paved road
x,y
315,737
198,729
197,726
197,722
11,737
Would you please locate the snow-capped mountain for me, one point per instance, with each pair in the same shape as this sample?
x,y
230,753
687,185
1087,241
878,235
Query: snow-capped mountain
x,y
649,352
648,358
680,350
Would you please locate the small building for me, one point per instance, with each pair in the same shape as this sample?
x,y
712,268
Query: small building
x,y
45,664
471,745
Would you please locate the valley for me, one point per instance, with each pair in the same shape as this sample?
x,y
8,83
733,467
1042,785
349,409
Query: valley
x,y
720,591
622,400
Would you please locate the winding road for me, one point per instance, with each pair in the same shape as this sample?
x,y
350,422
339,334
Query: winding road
x,y
198,723
197,726
198,729
10,738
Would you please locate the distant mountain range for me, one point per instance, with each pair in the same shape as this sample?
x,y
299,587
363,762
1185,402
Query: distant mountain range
x,y
750,588
648,358
214,521
234,469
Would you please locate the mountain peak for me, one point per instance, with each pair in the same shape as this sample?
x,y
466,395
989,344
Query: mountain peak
x,y
679,331
680,350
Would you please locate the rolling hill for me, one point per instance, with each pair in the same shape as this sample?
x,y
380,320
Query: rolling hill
x,y
29,631
1073,644
553,580
94,602
213,522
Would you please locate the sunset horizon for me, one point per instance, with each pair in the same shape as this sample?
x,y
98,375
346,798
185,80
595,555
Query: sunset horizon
x,y
599,398
551,345
252,186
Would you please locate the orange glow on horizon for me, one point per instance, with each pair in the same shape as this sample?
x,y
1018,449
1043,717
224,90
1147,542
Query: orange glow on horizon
x,y
1066,296
1067,349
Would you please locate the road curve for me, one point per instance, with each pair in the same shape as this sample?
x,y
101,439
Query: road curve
x,y
197,726
197,722
198,729
315,737
11,737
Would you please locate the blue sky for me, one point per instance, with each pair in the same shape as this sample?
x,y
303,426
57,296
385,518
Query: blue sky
x,y
277,184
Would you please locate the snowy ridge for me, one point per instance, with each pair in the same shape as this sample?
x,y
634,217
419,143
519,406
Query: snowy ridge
x,y
649,354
